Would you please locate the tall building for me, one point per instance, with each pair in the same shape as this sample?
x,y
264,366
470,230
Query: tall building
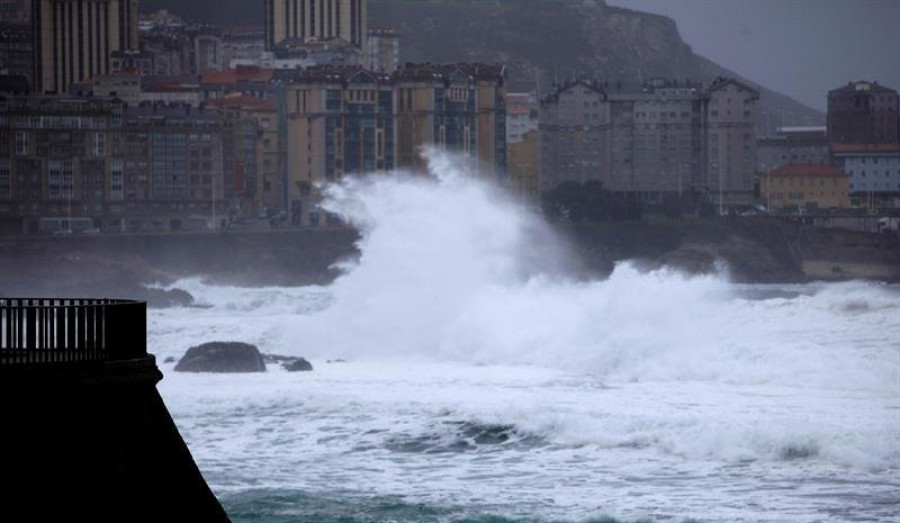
x,y
522,145
383,53
316,20
74,39
729,136
340,121
93,161
60,160
661,138
347,120
656,138
454,107
575,134
863,113
259,151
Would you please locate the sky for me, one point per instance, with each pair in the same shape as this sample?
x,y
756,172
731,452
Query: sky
x,y
801,48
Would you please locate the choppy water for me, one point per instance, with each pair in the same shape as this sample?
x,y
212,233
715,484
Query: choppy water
x,y
480,385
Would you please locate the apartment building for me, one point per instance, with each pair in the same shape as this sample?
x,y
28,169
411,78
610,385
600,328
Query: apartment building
x,y
76,40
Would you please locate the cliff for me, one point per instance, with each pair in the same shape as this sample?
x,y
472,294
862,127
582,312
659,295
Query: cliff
x,y
541,41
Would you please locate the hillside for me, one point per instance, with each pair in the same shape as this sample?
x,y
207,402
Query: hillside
x,y
541,41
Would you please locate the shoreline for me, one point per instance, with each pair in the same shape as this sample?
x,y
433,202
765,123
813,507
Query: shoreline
x,y
756,250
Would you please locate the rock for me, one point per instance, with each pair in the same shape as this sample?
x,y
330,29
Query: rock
x,y
222,357
298,365
162,298
336,361
170,359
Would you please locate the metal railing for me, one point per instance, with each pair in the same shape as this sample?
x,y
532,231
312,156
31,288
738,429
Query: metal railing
x,y
45,331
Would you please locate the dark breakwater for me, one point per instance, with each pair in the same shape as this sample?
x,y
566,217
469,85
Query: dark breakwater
x,y
757,250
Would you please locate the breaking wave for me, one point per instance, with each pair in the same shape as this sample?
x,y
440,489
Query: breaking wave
x,y
451,270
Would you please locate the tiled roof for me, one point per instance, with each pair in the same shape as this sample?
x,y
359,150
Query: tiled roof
x,y
240,74
865,148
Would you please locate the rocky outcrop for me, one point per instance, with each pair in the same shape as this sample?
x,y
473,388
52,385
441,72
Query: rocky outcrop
x,y
298,365
222,357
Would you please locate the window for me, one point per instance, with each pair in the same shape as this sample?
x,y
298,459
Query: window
x,y
100,144
21,143
116,188
54,180
5,180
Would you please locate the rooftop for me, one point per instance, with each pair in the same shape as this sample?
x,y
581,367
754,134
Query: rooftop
x,y
808,170
862,86
240,74
865,148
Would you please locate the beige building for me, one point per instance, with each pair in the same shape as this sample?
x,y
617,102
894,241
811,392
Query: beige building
x,y
800,185
75,40
316,20
454,107
729,128
523,165
522,145
347,120
339,121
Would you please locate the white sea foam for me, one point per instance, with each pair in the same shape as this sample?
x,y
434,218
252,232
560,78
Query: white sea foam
x,y
675,396
441,278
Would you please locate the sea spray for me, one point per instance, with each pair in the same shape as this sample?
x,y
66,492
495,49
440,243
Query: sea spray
x,y
441,277
479,381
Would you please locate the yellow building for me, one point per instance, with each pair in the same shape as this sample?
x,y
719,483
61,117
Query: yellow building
x,y
455,107
339,121
794,185
316,20
75,40
523,164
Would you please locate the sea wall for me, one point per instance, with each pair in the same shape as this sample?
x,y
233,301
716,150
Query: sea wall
x,y
94,441
765,250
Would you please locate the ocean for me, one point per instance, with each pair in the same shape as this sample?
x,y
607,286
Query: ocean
x,y
462,376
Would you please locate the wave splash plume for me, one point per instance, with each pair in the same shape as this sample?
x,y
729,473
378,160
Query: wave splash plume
x,y
451,270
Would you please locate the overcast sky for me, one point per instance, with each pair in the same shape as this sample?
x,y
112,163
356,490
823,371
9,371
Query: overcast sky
x,y
802,48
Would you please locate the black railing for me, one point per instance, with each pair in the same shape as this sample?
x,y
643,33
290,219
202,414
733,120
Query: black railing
x,y
38,331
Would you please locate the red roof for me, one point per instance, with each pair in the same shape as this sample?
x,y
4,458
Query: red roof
x,y
865,148
808,170
241,74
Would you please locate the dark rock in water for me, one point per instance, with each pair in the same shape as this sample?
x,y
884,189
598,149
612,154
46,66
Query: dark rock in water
x,y
170,359
298,365
163,299
222,357
336,361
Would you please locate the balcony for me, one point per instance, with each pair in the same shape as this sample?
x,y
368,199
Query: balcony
x,y
61,331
